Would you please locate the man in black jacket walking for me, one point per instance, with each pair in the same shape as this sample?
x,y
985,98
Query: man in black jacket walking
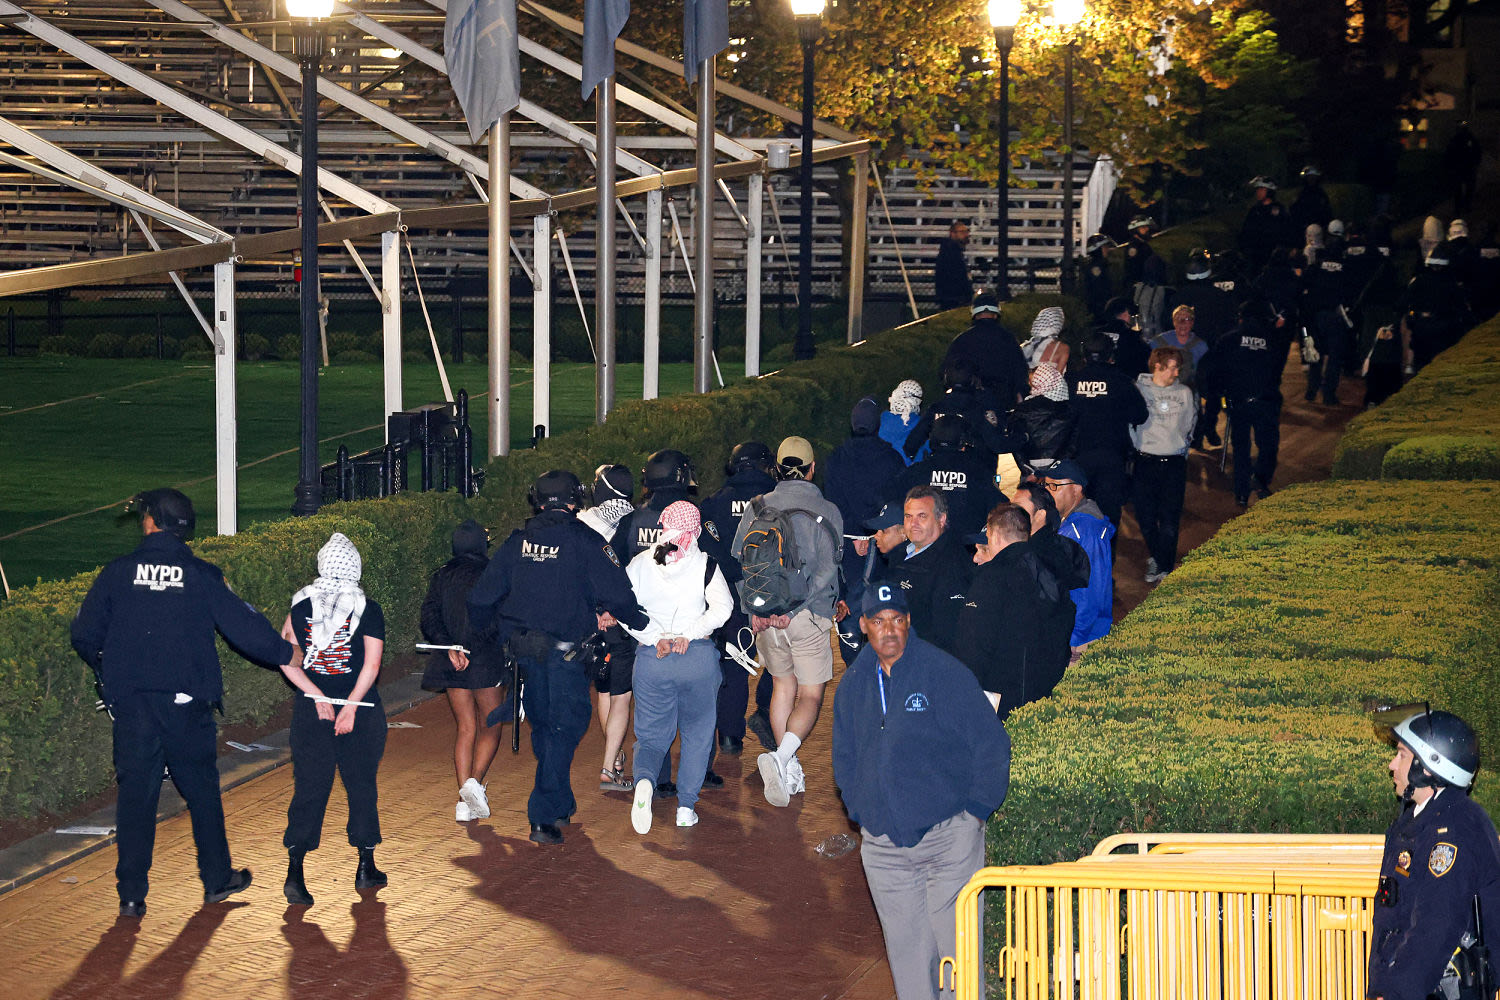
x,y
147,628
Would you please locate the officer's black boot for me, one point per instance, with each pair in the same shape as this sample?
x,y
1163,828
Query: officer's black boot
x,y
367,876
296,887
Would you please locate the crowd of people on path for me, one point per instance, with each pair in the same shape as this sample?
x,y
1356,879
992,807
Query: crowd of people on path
x,y
958,555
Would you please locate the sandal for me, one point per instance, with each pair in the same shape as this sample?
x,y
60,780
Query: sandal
x,y
620,761
612,781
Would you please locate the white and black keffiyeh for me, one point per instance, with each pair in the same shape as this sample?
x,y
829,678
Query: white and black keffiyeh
x,y
335,595
611,512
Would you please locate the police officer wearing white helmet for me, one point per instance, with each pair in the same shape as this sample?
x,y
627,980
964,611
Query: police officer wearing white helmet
x,y
1441,860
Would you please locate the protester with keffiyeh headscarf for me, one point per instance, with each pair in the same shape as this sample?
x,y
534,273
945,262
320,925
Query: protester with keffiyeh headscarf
x,y
1046,416
1046,343
676,664
342,636
897,422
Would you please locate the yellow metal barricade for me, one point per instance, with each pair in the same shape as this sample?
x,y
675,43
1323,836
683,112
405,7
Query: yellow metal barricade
x,y
1263,919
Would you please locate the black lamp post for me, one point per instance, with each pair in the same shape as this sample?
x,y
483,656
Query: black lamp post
x,y
308,17
809,17
1067,13
1003,17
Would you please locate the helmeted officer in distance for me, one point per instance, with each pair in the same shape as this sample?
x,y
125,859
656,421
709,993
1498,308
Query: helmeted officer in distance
x,y
748,474
1311,206
1093,274
1106,404
552,584
1440,855
1138,250
1435,311
1250,359
147,628
989,352
1122,325
1268,225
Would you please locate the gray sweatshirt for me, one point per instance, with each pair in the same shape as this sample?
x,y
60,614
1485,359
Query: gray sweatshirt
x,y
815,544
1171,412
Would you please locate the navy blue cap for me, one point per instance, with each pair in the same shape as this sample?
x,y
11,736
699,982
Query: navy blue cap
x,y
890,515
882,595
1069,470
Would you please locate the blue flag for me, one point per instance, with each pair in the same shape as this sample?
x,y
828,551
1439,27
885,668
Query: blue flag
x,y
603,20
484,60
705,33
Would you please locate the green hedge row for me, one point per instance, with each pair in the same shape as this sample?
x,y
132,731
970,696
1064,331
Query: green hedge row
x,y
1235,698
1444,424
54,749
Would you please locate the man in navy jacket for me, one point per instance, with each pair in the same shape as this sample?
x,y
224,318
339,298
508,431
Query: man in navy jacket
x,y
921,761
147,629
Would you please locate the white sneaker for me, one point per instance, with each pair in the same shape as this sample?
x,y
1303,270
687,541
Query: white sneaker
x,y
472,792
796,780
640,807
462,813
773,773
686,816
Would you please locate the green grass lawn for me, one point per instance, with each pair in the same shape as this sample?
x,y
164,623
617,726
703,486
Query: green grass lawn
x,y
80,433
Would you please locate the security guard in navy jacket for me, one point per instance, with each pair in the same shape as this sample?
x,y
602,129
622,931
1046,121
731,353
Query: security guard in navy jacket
x,y
147,628
921,761
551,584
1440,854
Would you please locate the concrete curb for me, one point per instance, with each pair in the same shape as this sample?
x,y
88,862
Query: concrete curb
x,y
47,852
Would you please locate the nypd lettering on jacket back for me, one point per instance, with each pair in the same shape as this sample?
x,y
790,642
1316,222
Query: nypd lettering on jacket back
x,y
1092,389
158,577
539,553
947,479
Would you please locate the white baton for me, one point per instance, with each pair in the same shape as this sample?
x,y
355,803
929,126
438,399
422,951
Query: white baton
x,y
325,700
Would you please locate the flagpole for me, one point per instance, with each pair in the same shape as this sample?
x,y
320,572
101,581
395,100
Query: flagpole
x,y
499,288
604,251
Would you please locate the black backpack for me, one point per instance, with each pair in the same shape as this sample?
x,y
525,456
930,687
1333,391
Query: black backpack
x,y
774,578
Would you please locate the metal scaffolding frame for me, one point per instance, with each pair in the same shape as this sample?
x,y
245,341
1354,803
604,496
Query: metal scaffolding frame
x,y
378,217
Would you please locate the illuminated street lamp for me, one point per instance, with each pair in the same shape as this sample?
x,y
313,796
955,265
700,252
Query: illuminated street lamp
x,y
1066,14
809,17
1003,17
308,18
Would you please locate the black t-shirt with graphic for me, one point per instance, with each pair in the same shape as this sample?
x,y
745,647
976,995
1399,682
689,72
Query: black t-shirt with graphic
x,y
346,653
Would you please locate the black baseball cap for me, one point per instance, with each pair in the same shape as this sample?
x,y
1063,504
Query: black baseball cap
x,y
889,516
170,509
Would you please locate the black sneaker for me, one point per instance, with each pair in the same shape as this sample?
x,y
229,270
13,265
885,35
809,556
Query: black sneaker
x,y
132,908
666,790
239,881
712,780
760,725
1243,501
731,747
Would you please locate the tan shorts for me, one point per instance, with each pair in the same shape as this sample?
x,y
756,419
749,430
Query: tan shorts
x,y
802,650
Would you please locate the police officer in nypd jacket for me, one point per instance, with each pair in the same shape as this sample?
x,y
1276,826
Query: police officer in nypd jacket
x,y
551,584
147,628
1441,854
921,760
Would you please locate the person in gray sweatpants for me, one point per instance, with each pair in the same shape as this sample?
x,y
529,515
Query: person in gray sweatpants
x,y
921,760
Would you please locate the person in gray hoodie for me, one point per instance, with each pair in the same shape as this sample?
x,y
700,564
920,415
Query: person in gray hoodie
x,y
1161,445
794,647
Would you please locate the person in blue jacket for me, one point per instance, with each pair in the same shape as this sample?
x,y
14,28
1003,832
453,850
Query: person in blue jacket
x,y
1441,855
1083,522
552,584
921,761
147,628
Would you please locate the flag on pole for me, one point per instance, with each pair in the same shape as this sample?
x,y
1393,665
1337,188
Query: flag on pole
x,y
603,20
484,60
705,33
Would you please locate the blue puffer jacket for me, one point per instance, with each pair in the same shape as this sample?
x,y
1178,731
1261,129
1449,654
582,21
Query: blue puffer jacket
x,y
895,432
1087,526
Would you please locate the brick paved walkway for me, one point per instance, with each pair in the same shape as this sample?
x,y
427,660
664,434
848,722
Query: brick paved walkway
x,y
740,906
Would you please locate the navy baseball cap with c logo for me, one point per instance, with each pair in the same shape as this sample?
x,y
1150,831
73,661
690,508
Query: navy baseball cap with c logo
x,y
882,595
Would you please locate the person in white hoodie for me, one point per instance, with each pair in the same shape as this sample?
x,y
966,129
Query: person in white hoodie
x,y
676,665
1161,445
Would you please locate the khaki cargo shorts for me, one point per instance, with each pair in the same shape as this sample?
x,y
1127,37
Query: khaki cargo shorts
x,y
802,650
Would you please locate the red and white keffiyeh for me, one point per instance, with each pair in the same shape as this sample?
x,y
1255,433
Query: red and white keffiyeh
x,y
680,526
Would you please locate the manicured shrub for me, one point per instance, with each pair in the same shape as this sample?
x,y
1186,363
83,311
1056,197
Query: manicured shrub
x,y
106,345
1234,698
1452,406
